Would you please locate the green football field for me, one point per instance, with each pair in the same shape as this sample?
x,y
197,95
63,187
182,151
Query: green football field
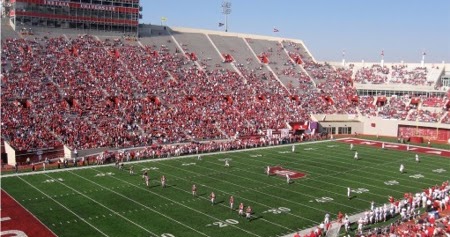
x,y
106,201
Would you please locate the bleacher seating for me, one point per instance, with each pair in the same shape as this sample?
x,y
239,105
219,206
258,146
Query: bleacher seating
x,y
84,91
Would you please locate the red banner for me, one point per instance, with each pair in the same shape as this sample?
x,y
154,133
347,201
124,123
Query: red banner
x,y
78,18
81,5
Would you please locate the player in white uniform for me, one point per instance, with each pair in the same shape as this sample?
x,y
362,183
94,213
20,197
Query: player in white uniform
x,y
268,170
146,178
231,202
407,147
382,146
248,213
163,181
327,218
351,146
226,163
356,155
131,170
241,209
199,157
212,196
349,193
293,148
194,190
402,168
417,158
288,179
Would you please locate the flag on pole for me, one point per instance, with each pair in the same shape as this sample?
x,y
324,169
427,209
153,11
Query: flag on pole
x,y
163,18
382,52
423,53
221,24
275,30
343,53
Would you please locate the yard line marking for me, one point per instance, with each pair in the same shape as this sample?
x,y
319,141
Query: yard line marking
x,y
144,206
262,193
301,184
357,169
334,184
49,197
193,209
205,198
98,203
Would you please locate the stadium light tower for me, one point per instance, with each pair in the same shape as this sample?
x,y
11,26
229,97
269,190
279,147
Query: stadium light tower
x,y
226,10
343,57
422,63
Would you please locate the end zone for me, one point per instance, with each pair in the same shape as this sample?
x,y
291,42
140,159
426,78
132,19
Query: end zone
x,y
17,221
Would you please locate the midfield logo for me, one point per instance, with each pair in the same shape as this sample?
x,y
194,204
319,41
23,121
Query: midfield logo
x,y
280,171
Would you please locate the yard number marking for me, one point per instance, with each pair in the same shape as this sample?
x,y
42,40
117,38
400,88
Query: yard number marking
x,y
278,210
324,199
224,223
391,182
416,176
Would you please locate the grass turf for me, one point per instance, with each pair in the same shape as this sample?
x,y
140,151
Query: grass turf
x,y
106,201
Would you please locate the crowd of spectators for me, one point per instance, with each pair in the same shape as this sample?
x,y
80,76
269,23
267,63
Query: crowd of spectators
x,y
86,93
366,106
397,108
446,119
433,101
425,116
373,75
401,74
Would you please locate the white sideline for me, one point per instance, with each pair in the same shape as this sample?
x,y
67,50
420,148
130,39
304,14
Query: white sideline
x,y
159,159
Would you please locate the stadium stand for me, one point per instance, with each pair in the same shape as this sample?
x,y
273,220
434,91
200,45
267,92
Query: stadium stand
x,y
117,91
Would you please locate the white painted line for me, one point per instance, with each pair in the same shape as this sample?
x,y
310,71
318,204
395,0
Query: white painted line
x,y
146,207
100,204
49,197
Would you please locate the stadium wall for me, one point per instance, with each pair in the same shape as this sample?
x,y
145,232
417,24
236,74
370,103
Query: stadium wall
x,y
11,153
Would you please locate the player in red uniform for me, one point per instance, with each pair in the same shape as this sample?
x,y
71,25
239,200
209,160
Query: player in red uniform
x,y
340,216
391,199
241,209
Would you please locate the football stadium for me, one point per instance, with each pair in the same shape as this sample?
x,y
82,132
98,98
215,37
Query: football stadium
x,y
113,127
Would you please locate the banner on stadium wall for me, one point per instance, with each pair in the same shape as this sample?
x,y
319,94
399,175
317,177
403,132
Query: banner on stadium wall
x,y
269,132
82,5
284,132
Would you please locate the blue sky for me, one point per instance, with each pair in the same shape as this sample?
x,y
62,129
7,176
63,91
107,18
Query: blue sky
x,y
402,28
